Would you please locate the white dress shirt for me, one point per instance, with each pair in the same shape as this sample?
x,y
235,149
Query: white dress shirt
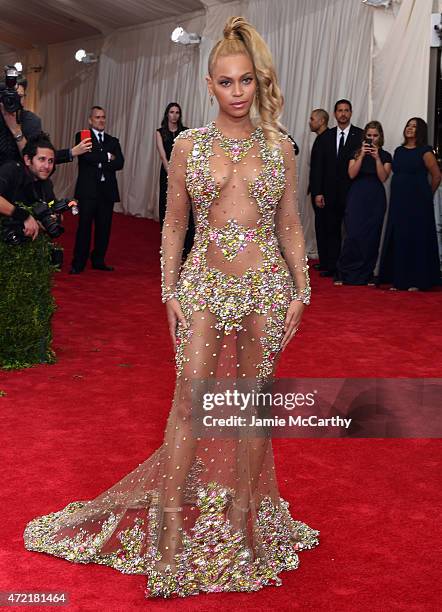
x,y
338,135
96,132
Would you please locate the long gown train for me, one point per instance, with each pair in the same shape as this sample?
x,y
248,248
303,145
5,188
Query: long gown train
x,y
203,513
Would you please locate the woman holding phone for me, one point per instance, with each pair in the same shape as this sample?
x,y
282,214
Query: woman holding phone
x,y
365,210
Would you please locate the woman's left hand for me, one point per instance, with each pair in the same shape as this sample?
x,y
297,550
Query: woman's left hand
x,y
375,152
292,321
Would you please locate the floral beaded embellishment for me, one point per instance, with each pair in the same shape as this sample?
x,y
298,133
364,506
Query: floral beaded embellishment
x,y
266,290
235,148
232,238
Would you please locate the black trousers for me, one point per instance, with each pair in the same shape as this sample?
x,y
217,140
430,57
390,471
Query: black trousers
x,y
328,226
97,212
321,235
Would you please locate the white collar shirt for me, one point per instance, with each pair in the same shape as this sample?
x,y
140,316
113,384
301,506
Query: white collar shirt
x,y
338,135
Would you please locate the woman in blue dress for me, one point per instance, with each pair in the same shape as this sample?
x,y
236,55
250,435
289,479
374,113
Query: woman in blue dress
x,y
365,210
410,258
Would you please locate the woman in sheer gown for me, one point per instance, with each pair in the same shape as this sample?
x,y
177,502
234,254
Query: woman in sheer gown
x,y
203,513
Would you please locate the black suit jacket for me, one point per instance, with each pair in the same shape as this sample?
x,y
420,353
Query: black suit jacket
x,y
63,156
89,184
316,147
329,175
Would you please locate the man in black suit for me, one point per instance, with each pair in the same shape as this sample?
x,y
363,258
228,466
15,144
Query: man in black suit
x,y
318,124
330,181
97,191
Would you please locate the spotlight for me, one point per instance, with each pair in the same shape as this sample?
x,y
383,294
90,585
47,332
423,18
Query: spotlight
x,y
18,66
80,54
179,35
377,3
85,58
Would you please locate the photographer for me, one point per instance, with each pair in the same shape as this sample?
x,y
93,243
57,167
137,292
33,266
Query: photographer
x,y
26,266
28,182
17,124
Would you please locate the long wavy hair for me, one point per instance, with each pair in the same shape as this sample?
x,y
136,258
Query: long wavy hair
x,y
165,132
239,37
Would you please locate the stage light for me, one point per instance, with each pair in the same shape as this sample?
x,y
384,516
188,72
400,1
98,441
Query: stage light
x,y
80,54
377,3
85,58
179,35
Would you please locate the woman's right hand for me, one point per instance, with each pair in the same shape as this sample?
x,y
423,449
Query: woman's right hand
x,y
365,149
175,316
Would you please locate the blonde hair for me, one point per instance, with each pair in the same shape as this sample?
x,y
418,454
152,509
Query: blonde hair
x,y
372,125
239,37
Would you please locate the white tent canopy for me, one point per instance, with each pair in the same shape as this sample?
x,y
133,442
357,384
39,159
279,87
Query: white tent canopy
x,y
323,50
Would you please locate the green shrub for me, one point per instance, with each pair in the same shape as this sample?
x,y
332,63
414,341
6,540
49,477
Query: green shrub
x,y
26,304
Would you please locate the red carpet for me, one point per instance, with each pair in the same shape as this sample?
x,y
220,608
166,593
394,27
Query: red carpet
x,y
72,429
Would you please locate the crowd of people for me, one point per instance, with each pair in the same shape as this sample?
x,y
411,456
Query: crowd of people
x,y
348,169
27,152
233,306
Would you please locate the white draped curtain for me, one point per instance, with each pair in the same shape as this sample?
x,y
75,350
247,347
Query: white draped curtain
x,y
401,69
322,53
322,50
141,71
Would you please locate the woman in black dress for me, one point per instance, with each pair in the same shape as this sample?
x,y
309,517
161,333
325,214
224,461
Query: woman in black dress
x,y
171,126
410,258
365,210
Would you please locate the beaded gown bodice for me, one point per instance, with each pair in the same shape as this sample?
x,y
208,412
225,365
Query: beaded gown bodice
x,y
249,251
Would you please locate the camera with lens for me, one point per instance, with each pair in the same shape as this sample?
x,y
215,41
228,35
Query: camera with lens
x,y
12,232
48,214
8,91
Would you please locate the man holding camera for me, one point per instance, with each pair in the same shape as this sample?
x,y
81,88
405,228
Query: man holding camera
x,y
28,182
18,124
330,182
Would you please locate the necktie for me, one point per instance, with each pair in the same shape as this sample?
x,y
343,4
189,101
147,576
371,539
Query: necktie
x,y
100,140
341,143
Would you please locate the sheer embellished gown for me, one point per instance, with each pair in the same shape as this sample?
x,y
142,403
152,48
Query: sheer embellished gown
x,y
203,513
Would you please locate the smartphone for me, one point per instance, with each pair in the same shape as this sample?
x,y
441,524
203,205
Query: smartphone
x,y
368,141
85,134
